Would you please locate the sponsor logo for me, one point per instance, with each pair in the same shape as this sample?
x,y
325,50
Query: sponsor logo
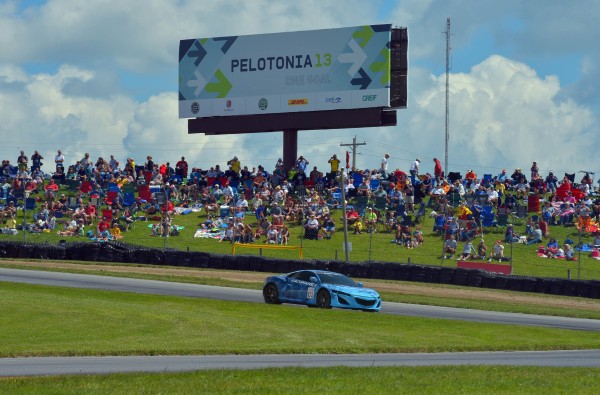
x,y
333,100
195,108
228,106
297,102
263,104
369,97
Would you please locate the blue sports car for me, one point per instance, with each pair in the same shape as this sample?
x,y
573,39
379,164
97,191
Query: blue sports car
x,y
318,288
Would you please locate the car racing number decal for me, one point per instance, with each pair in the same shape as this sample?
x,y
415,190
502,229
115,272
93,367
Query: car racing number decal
x,y
310,292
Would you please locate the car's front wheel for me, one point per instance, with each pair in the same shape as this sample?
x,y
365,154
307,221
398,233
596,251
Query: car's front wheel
x,y
271,294
323,299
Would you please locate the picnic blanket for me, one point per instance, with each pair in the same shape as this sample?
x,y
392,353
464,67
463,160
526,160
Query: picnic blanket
x,y
209,234
179,227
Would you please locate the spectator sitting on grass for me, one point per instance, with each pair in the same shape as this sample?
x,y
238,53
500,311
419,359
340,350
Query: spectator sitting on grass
x,y
536,236
450,247
328,226
272,235
551,247
358,226
284,235
467,252
115,232
352,216
510,236
497,251
569,253
371,219
481,250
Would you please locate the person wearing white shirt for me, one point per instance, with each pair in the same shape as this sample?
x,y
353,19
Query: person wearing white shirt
x,y
384,166
492,196
242,204
59,159
414,168
228,193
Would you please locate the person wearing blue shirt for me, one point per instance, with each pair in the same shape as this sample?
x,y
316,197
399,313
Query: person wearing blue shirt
x,y
502,176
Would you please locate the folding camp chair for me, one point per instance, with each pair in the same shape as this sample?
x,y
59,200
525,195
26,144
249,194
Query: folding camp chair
x,y
421,213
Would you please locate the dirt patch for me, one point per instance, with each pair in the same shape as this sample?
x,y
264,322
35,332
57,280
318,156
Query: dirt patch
x,y
381,286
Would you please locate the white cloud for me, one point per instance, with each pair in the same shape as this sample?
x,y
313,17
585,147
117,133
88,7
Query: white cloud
x,y
503,113
41,116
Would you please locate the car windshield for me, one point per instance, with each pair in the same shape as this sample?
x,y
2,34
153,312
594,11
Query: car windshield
x,y
337,279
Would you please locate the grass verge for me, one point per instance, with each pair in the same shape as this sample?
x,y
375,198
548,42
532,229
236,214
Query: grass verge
x,y
47,321
340,380
391,291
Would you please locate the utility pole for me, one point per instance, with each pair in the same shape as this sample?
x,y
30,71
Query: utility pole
x,y
353,148
447,134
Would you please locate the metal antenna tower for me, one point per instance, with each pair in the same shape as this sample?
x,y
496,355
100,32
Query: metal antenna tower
x,y
447,136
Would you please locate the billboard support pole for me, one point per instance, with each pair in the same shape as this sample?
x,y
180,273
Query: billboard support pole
x,y
290,148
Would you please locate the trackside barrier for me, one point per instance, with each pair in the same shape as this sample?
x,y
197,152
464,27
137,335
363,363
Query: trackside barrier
x,y
266,247
488,267
116,251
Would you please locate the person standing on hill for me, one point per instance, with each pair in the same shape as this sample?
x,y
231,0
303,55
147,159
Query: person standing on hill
x,y
181,168
334,162
384,166
438,172
414,168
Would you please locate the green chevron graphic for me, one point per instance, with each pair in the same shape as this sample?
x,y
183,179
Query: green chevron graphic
x,y
363,35
383,67
221,87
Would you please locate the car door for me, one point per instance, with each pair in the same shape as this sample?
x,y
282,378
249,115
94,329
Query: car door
x,y
299,287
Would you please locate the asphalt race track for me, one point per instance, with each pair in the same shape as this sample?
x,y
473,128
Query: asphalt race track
x,y
89,365
36,366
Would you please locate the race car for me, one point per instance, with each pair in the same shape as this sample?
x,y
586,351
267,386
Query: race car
x,y
318,288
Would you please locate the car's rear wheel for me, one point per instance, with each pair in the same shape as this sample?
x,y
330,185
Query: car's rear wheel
x,y
271,294
323,299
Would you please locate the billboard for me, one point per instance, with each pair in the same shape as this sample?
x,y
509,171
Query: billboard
x,y
318,70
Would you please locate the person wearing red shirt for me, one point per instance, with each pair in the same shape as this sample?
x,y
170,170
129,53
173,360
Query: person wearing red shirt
x,y
90,213
103,226
52,186
352,216
470,176
438,172
181,168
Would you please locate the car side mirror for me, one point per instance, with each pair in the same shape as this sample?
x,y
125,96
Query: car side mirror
x,y
360,285
313,279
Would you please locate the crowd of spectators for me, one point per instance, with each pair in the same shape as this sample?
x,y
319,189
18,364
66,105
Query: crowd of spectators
x,y
304,195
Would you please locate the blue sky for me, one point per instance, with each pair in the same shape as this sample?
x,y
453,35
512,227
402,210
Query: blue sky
x,y
101,77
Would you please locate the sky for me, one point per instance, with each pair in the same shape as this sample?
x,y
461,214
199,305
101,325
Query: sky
x,y
101,76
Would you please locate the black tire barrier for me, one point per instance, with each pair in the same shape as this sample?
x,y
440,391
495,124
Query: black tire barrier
x,y
460,277
433,275
390,271
377,269
26,251
418,274
403,273
594,289
362,270
126,253
446,275
475,278
501,282
488,281
58,253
